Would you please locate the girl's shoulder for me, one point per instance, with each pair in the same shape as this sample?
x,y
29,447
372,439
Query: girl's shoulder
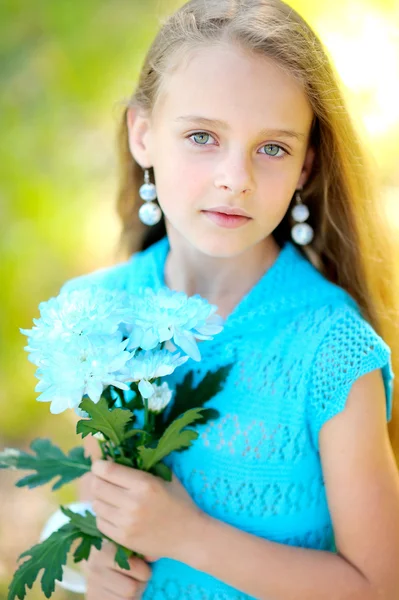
x,y
329,331
345,348
137,271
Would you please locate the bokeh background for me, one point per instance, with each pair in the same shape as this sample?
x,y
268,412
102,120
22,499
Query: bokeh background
x,y
66,68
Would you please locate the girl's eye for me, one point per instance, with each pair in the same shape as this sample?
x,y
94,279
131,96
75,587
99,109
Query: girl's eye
x,y
200,138
273,149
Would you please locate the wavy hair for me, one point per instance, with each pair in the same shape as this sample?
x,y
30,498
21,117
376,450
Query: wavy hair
x,y
353,244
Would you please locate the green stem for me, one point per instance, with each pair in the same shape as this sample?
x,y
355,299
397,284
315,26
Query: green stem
x,y
101,444
111,450
145,413
133,432
151,421
145,402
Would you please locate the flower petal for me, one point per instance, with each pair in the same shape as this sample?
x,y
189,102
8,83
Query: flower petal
x,y
146,389
186,341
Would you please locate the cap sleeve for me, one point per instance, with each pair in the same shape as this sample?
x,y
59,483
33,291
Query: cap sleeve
x,y
349,349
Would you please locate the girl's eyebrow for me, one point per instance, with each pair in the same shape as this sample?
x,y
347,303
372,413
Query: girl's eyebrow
x,y
223,125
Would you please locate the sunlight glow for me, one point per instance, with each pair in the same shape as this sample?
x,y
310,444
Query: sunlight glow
x,y
365,49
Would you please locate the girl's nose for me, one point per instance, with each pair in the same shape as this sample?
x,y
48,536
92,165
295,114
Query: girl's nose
x,y
235,175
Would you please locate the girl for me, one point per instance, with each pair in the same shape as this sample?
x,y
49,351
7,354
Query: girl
x,y
265,209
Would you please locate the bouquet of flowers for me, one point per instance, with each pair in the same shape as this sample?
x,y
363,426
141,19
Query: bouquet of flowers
x,y
103,354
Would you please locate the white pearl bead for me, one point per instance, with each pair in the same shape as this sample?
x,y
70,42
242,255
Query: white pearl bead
x,y
148,192
300,212
302,233
150,213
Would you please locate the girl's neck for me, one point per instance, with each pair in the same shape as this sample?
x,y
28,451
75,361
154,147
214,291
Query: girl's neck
x,y
221,281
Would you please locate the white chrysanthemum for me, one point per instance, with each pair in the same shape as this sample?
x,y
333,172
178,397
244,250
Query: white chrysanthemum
x,y
78,341
83,366
160,398
92,310
144,367
168,315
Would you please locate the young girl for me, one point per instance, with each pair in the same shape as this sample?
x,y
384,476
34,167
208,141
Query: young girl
x,y
264,208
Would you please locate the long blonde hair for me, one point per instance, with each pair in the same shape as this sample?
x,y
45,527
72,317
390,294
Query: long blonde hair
x,y
351,246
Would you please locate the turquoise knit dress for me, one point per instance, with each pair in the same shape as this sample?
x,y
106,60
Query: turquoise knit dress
x,y
298,342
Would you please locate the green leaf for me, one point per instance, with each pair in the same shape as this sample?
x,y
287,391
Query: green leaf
x,y
82,552
121,557
172,439
48,463
50,555
133,432
111,423
187,397
128,462
85,523
163,471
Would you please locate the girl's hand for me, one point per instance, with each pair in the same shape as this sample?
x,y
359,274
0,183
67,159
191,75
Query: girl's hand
x,y
107,581
143,512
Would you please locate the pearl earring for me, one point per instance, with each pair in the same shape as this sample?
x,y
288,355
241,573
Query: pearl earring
x,y
149,212
302,233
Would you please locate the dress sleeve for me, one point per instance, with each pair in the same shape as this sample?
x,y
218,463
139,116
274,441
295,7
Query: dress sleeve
x,y
349,349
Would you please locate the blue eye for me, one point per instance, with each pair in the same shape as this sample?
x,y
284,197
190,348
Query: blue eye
x,y
202,138
274,150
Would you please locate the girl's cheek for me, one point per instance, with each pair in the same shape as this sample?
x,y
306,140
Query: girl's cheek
x,y
194,180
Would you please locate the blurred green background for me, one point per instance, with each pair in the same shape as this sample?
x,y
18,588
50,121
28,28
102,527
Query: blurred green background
x,y
65,69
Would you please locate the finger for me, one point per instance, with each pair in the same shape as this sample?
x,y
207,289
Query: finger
x,y
120,475
109,530
108,512
101,593
103,557
139,569
134,592
96,593
119,584
95,556
109,492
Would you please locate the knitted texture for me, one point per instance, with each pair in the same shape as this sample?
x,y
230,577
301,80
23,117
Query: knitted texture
x,y
298,342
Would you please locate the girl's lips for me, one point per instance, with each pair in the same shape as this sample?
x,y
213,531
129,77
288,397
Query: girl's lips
x,y
227,221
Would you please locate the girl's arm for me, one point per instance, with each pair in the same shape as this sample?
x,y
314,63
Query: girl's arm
x,y
362,486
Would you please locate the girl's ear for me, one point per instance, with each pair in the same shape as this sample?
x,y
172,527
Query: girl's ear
x,y
139,135
307,167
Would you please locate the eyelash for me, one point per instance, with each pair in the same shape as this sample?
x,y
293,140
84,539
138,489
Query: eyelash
x,y
206,133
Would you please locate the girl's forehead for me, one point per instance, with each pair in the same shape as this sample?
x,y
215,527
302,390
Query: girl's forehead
x,y
230,82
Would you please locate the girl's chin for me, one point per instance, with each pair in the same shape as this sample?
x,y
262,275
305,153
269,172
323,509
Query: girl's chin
x,y
210,240
220,247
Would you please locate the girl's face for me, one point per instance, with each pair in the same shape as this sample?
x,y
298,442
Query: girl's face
x,y
231,129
